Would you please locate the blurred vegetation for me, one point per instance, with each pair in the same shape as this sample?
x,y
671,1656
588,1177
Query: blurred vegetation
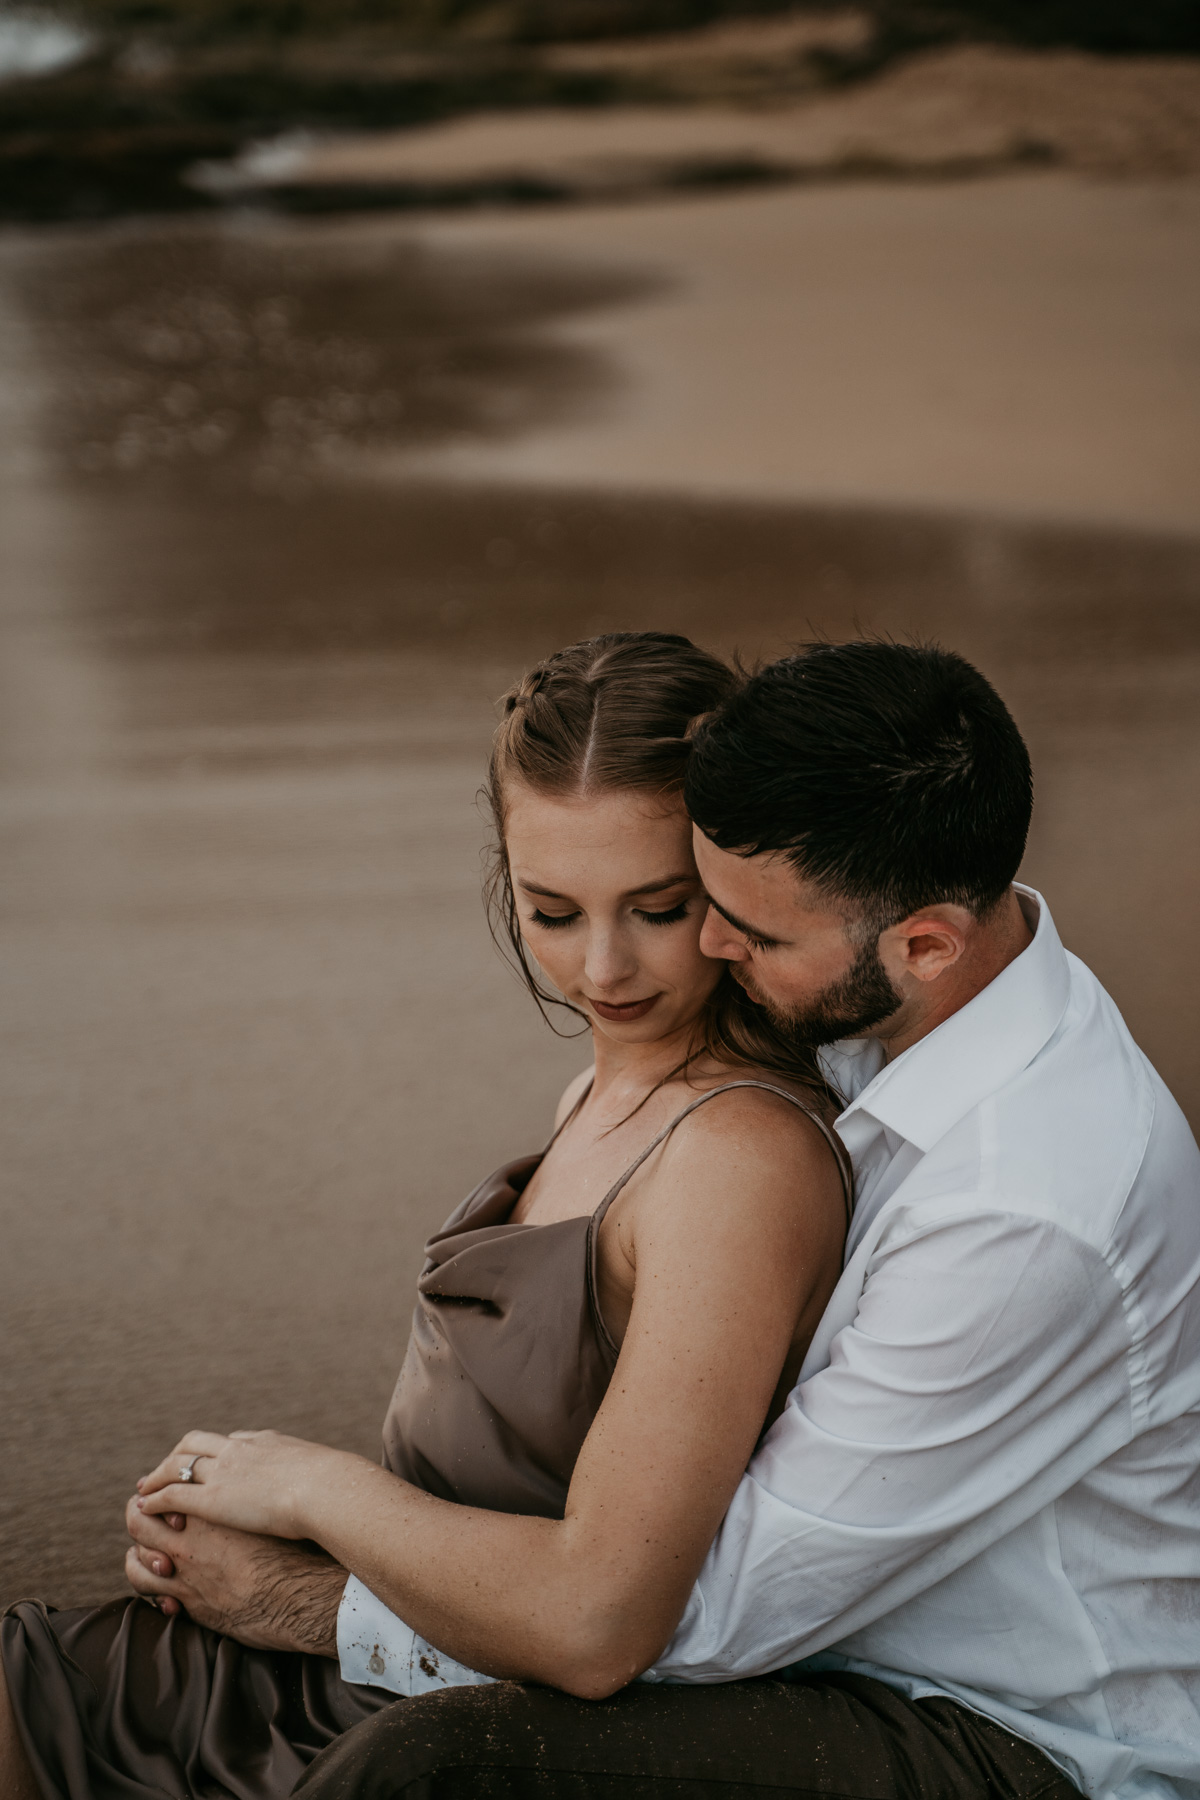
x,y
1101,25
172,83
1107,26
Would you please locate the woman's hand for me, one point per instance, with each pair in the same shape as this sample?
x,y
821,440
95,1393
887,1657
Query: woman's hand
x,y
256,1481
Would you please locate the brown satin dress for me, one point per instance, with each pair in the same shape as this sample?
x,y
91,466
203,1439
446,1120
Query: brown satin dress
x,y
506,1367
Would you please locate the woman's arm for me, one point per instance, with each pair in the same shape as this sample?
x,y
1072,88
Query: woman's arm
x,y
743,1232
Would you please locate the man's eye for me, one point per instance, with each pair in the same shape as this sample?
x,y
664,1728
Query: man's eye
x,y
672,917
553,920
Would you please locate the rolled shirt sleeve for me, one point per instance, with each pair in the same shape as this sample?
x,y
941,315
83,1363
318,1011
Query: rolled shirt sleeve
x,y
985,1369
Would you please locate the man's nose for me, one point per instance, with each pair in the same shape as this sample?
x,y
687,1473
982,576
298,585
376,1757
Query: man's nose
x,y
718,938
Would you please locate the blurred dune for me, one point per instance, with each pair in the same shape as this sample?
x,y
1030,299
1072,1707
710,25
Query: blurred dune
x,y
186,106
972,109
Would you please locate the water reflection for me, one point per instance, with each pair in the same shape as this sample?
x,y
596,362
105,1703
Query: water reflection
x,y
278,353
256,1041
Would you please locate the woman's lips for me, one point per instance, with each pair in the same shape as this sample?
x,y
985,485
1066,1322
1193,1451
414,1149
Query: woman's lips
x,y
623,1015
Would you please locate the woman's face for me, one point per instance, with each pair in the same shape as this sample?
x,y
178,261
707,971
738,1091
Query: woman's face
x,y
611,907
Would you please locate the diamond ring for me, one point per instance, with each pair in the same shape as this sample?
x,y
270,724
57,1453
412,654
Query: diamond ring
x,y
187,1468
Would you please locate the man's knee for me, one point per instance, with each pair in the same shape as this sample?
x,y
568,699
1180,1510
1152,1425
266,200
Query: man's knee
x,y
509,1740
434,1747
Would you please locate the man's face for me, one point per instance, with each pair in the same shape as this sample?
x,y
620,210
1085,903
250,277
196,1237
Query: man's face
x,y
789,948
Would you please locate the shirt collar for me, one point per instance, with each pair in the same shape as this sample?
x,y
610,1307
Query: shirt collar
x,y
937,1080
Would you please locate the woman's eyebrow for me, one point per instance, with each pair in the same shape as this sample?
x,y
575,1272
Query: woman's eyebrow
x,y
658,887
647,887
531,887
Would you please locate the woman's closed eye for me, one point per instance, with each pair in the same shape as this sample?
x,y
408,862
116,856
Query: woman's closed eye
x,y
553,920
672,915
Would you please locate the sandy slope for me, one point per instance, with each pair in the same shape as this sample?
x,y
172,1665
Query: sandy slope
x,y
1129,116
1024,345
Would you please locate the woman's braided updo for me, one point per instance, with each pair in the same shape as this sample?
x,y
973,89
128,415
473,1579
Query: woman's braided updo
x,y
612,713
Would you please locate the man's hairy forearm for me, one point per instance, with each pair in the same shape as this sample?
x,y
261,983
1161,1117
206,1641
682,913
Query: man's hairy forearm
x,y
298,1591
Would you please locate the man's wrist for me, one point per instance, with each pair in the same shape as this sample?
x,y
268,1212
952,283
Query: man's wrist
x,y
301,1593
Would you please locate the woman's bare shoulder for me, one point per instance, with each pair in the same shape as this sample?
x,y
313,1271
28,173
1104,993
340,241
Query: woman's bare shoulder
x,y
763,1134
765,1107
748,1189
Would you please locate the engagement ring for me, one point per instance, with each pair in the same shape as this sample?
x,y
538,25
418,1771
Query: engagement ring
x,y
187,1468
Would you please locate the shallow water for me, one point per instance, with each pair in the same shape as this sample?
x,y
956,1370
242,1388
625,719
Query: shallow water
x,y
256,1041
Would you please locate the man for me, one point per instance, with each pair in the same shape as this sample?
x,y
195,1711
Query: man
x,y
973,1540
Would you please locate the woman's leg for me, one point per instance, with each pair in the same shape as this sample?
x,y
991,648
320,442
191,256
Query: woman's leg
x,y
118,1702
16,1777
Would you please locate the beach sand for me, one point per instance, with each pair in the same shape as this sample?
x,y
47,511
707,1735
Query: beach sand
x,y
256,1042
1022,348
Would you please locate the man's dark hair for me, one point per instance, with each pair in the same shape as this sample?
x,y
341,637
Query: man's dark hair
x,y
892,775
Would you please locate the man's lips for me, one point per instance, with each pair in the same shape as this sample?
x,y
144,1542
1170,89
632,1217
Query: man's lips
x,y
744,981
622,1015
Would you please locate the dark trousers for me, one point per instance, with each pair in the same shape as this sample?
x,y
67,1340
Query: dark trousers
x,y
832,1735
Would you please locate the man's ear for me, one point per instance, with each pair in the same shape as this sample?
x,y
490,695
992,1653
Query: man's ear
x,y
927,943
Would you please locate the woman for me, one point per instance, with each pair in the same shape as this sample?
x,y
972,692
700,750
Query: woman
x,y
602,1332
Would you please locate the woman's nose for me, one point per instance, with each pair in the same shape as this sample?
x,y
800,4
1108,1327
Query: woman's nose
x,y
610,961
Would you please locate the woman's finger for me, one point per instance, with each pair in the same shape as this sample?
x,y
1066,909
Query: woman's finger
x,y
170,1469
190,1450
176,1498
202,1443
152,1534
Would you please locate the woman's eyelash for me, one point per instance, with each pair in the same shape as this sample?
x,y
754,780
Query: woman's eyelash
x,y
671,917
553,921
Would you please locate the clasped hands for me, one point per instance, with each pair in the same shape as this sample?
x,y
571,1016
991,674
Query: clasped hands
x,y
221,1545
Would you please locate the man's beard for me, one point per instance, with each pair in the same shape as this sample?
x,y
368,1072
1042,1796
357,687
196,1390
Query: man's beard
x,y
848,1007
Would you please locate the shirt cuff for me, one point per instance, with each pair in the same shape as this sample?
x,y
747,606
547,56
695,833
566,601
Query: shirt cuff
x,y
376,1649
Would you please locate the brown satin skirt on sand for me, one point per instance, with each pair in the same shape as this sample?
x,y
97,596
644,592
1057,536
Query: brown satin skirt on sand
x,y
119,1702
507,1365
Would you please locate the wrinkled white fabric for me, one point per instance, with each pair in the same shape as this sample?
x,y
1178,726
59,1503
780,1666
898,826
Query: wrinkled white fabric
x,y
986,1483
376,1649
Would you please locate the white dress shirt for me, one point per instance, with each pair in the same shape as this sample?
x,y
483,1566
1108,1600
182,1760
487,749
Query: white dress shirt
x,y
986,1483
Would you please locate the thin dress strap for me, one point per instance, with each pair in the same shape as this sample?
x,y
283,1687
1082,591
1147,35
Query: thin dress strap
x,y
834,1141
840,1153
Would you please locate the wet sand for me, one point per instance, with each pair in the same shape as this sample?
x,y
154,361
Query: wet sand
x,y
256,1042
1022,347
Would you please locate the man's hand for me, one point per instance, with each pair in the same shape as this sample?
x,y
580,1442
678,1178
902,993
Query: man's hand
x,y
266,1593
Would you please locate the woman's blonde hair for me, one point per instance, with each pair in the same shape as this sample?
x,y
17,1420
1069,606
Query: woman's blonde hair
x,y
616,712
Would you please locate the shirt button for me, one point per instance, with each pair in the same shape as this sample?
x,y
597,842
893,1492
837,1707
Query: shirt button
x,y
376,1663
